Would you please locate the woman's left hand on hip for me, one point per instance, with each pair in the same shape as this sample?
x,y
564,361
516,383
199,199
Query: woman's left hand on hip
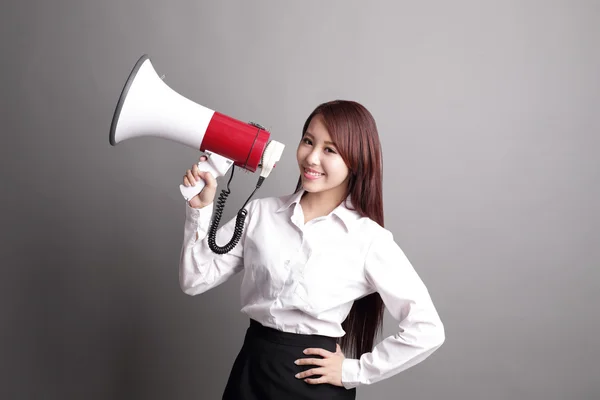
x,y
329,367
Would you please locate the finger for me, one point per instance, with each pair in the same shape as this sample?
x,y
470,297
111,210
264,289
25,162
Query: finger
x,y
338,349
203,158
311,372
318,352
311,361
196,171
186,181
190,177
317,381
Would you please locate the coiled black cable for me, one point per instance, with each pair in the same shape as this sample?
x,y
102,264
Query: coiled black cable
x,y
239,221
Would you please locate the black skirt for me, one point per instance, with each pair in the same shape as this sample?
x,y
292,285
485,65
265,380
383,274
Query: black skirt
x,y
265,370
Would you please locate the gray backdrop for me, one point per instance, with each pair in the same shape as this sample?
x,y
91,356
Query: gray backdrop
x,y
488,115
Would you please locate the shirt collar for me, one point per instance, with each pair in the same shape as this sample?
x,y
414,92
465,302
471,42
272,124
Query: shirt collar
x,y
345,211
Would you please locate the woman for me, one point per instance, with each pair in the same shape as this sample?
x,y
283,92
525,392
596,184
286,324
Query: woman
x,y
319,268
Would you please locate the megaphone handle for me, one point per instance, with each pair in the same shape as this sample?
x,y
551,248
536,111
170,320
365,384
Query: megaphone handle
x,y
215,164
189,192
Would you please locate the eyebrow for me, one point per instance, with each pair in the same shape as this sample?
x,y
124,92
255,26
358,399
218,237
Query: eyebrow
x,y
307,133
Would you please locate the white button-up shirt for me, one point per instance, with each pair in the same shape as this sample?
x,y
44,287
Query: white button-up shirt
x,y
303,278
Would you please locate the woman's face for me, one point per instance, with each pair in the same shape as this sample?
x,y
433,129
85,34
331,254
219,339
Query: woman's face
x,y
322,169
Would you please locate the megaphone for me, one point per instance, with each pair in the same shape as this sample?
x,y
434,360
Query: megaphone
x,y
149,107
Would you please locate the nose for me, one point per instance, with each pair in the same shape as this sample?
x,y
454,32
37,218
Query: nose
x,y
313,157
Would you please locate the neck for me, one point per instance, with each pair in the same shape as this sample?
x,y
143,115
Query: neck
x,y
319,204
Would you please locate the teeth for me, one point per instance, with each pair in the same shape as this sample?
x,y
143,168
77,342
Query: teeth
x,y
313,173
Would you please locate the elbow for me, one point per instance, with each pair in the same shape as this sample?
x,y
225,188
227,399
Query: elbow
x,y
186,288
190,281
190,288
438,334
430,335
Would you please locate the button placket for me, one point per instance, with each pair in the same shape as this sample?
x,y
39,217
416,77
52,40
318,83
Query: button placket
x,y
287,279
303,256
299,267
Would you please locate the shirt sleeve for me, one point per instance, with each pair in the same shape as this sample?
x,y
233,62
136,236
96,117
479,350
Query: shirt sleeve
x,y
405,296
200,269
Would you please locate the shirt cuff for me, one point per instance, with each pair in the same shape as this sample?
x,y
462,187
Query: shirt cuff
x,y
350,373
197,220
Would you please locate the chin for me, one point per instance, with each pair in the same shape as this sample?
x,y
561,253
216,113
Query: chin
x,y
313,188
308,186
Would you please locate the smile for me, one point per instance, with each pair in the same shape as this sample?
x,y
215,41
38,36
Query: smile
x,y
312,174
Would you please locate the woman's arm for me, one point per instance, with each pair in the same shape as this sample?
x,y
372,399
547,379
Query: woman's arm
x,y
421,331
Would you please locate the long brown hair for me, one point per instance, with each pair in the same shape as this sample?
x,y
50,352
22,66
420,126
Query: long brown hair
x,y
354,132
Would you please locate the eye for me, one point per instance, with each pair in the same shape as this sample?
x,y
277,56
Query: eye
x,y
306,141
330,150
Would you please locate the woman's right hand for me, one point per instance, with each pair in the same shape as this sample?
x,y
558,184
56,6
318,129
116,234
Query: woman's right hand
x,y
207,195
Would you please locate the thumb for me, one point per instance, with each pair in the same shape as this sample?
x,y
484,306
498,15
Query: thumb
x,y
338,349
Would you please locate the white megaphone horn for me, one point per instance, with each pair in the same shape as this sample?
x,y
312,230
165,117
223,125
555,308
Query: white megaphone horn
x,y
148,107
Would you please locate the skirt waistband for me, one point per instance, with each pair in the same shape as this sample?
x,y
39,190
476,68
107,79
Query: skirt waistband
x,y
257,330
